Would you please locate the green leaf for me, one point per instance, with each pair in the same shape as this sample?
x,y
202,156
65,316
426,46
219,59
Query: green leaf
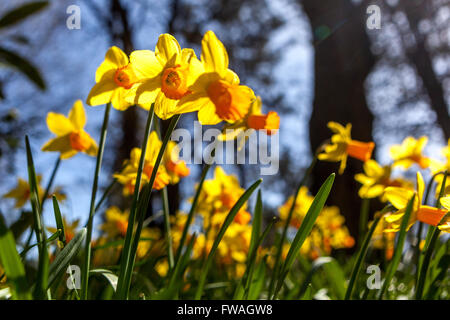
x,y
228,220
42,272
22,65
108,275
66,255
256,223
363,252
305,228
398,248
59,221
10,260
18,14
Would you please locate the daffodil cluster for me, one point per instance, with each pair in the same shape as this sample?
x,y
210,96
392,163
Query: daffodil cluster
x,y
329,231
177,82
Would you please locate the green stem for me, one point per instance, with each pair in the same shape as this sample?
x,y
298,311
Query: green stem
x,y
142,209
286,226
167,226
429,247
98,165
363,219
50,182
191,213
132,217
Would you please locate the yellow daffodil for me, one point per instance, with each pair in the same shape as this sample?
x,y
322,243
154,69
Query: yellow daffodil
x,y
329,231
166,75
383,240
21,193
437,167
304,201
175,167
218,196
217,93
69,229
410,152
116,222
254,119
375,180
114,77
444,225
342,146
399,198
70,135
128,175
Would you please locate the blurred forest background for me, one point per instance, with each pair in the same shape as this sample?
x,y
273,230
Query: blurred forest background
x,y
312,61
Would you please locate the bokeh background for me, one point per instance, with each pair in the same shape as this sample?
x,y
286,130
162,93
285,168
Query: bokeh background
x,y
312,61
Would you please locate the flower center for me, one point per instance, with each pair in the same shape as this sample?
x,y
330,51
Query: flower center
x,y
161,179
423,162
269,122
232,102
174,82
79,140
122,227
360,150
124,77
179,168
242,217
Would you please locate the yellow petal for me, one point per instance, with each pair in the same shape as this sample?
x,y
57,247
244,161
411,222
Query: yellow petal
x,y
145,64
192,102
145,93
59,144
59,124
207,114
445,202
93,149
115,56
165,107
118,100
102,92
420,186
166,48
214,55
398,197
77,115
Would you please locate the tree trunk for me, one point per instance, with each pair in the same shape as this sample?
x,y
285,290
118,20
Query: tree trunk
x,y
420,58
343,60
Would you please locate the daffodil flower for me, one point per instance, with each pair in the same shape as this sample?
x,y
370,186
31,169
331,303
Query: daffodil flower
x,y
410,152
399,198
375,180
70,135
342,146
254,119
217,93
437,167
21,193
69,228
128,175
165,76
114,77
175,167
116,222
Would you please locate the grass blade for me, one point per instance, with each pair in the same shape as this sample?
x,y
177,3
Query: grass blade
x,y
168,235
304,230
108,275
398,248
90,224
256,223
191,213
59,221
12,265
228,220
362,254
66,255
42,274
